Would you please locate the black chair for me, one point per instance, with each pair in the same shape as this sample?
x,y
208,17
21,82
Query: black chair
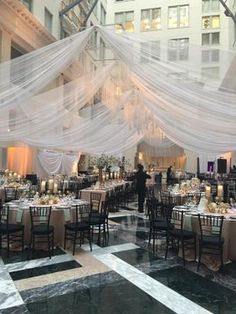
x,y
165,198
100,219
159,222
12,233
41,230
10,194
79,228
177,232
95,200
210,239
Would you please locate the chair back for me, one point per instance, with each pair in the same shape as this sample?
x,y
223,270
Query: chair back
x,y
10,194
153,205
165,197
210,225
105,209
177,218
95,200
82,212
4,214
150,191
40,215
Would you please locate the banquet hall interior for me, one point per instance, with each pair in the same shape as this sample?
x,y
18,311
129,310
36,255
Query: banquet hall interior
x,y
86,105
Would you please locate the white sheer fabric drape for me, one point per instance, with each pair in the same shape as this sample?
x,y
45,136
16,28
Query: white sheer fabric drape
x,y
53,162
141,97
191,110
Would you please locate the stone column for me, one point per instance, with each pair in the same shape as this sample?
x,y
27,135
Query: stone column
x,y
5,55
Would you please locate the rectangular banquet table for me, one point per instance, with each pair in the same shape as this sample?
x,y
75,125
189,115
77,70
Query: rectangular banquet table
x,y
85,193
59,215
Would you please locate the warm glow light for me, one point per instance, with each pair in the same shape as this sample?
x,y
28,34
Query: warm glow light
x,y
20,159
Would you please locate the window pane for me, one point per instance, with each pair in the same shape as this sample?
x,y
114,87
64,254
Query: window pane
x,y
118,18
145,20
183,16
205,5
156,49
173,17
129,27
205,56
215,55
28,4
206,22
178,49
129,16
205,39
156,19
48,20
215,38
215,5
215,21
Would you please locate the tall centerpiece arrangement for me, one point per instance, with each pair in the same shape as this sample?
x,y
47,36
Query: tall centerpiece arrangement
x,y
103,162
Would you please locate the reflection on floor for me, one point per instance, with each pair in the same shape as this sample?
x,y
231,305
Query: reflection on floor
x,y
121,276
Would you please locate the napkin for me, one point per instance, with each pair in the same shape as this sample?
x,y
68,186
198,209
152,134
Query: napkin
x,y
187,224
19,215
67,214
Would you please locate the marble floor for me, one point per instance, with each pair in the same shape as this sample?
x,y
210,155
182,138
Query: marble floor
x,y
121,276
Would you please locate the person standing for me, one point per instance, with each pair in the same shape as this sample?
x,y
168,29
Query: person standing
x,y
141,177
169,175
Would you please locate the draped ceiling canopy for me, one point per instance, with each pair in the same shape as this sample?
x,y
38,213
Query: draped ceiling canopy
x,y
117,95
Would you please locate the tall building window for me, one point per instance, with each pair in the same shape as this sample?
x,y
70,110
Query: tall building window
x,y
48,20
178,49
211,55
28,4
178,16
150,19
103,15
212,21
150,50
211,39
124,21
210,5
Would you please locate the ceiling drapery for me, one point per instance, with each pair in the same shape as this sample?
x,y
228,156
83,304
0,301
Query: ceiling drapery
x,y
141,97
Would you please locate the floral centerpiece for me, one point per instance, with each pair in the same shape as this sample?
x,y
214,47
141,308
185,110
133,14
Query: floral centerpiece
x,y
48,200
103,162
195,183
221,208
185,186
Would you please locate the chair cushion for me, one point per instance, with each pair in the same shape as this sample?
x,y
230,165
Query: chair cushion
x,y
42,229
96,220
80,226
12,228
211,240
184,233
161,225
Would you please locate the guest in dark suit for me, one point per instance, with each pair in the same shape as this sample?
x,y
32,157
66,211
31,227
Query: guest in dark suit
x,y
169,174
141,177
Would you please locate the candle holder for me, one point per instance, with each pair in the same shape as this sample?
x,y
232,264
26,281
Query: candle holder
x,y
220,192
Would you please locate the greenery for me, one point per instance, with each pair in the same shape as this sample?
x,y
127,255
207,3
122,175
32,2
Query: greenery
x,y
103,161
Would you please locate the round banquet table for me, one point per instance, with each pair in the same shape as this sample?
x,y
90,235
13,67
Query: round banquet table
x,y
59,215
228,231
